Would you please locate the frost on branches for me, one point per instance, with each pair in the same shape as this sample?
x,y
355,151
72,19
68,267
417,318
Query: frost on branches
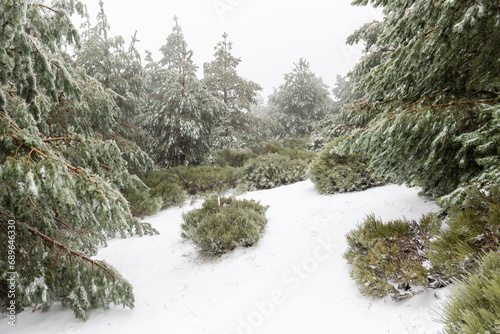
x,y
183,112
301,101
59,176
423,101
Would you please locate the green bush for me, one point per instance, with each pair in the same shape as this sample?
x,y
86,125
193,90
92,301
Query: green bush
x,y
272,170
162,191
202,179
296,154
222,224
235,157
389,258
265,147
142,203
333,173
471,231
474,304
164,184
296,143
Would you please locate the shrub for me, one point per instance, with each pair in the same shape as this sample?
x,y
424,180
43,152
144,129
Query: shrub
x,y
222,224
141,202
272,170
474,304
164,184
265,147
296,143
389,258
201,179
333,173
296,154
233,157
472,231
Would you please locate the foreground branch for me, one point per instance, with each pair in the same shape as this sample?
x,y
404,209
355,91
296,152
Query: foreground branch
x,y
59,245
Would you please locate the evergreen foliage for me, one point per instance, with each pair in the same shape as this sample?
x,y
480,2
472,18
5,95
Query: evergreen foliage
x,y
272,170
119,70
423,101
301,101
165,184
453,49
390,258
115,66
234,157
474,304
168,187
59,175
222,224
238,94
334,173
471,231
183,112
203,179
223,81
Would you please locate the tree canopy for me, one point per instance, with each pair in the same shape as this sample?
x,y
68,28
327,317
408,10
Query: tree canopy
x,y
301,101
423,101
59,177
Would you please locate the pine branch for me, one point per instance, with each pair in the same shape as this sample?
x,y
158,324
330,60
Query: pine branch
x,y
49,8
59,245
65,139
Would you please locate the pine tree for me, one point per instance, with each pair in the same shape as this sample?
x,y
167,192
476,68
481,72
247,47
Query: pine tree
x,y
59,177
424,98
183,112
301,101
119,69
237,126
223,81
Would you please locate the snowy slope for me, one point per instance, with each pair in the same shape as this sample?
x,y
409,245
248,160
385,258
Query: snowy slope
x,y
294,281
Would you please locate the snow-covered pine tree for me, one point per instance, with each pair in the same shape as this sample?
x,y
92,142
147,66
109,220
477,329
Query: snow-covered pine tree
x,y
223,81
57,185
118,68
301,101
237,126
184,112
427,95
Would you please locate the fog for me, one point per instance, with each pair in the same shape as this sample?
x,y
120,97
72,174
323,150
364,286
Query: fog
x,y
269,36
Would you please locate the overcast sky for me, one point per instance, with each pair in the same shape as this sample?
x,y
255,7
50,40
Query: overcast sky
x,y
268,35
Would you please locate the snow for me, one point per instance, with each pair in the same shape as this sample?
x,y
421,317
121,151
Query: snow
x,y
294,281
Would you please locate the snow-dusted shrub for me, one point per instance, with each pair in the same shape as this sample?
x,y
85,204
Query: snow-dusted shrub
x,y
165,185
272,170
163,190
222,224
390,258
234,157
334,173
471,231
203,179
141,202
296,143
265,147
474,304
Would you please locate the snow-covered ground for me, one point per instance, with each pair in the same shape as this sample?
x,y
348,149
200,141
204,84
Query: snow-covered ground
x,y
294,281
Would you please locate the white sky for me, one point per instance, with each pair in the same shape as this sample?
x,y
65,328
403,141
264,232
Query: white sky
x,y
269,36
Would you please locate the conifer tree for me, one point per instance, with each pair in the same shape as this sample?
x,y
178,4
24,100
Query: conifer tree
x,y
119,69
58,175
425,95
184,112
237,126
223,81
301,101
